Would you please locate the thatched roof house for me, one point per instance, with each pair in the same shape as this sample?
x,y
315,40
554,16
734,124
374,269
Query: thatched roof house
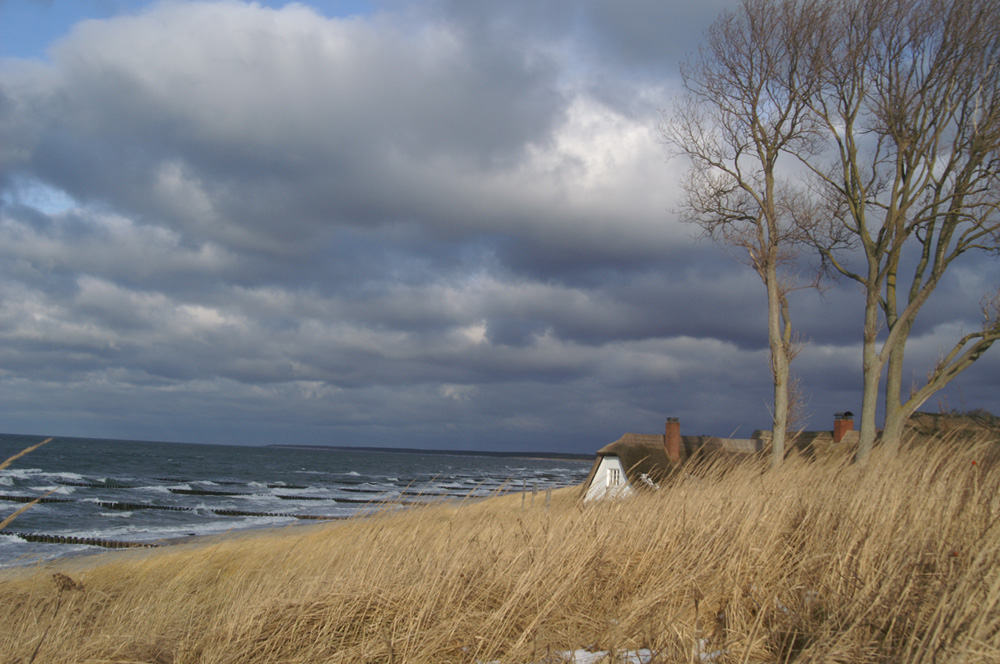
x,y
634,460
959,426
637,462
842,440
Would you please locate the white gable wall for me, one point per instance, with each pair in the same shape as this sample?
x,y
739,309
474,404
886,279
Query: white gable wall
x,y
609,480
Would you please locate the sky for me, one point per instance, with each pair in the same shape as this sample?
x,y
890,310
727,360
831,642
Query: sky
x,y
439,224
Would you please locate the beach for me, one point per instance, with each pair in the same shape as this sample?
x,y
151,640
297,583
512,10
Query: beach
x,y
821,560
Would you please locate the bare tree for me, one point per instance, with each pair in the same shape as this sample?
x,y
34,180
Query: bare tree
x,y
745,105
910,103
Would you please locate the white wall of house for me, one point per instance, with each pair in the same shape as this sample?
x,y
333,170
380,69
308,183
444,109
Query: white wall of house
x,y
609,480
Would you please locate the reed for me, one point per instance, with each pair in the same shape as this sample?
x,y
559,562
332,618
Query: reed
x,y
31,448
820,561
26,450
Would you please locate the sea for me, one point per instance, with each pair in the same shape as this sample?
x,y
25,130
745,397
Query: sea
x,y
102,494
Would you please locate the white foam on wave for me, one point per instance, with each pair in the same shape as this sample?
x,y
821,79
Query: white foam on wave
x,y
21,473
304,491
154,489
151,533
164,488
255,498
63,490
16,552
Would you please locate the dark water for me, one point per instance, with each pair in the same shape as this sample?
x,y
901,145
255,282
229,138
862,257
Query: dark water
x,y
131,491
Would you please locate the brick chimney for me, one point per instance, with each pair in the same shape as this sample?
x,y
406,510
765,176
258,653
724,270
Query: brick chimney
x,y
842,423
672,440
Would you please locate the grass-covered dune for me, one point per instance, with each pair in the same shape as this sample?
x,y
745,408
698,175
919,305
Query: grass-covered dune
x,y
822,561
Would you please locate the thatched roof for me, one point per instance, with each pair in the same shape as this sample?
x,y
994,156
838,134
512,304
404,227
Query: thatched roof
x,y
959,425
640,454
814,443
644,454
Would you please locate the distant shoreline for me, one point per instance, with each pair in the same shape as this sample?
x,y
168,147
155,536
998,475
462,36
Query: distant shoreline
x,y
549,456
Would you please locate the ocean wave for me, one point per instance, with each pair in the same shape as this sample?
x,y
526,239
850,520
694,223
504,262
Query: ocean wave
x,y
21,473
63,490
258,498
16,552
153,532
154,488
147,510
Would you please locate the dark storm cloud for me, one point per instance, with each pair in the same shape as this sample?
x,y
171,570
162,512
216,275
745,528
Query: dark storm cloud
x,y
445,224
289,116
634,37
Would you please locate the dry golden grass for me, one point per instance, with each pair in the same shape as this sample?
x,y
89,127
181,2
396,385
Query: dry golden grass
x,y
821,561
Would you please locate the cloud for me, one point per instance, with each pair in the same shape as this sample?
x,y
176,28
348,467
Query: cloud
x,y
447,224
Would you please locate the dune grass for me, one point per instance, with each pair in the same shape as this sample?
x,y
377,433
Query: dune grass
x,y
821,561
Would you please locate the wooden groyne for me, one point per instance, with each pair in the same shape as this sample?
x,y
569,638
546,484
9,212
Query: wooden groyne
x,y
86,541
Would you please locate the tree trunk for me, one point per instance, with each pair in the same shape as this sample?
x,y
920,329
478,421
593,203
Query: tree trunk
x,y
779,367
968,349
895,415
872,372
